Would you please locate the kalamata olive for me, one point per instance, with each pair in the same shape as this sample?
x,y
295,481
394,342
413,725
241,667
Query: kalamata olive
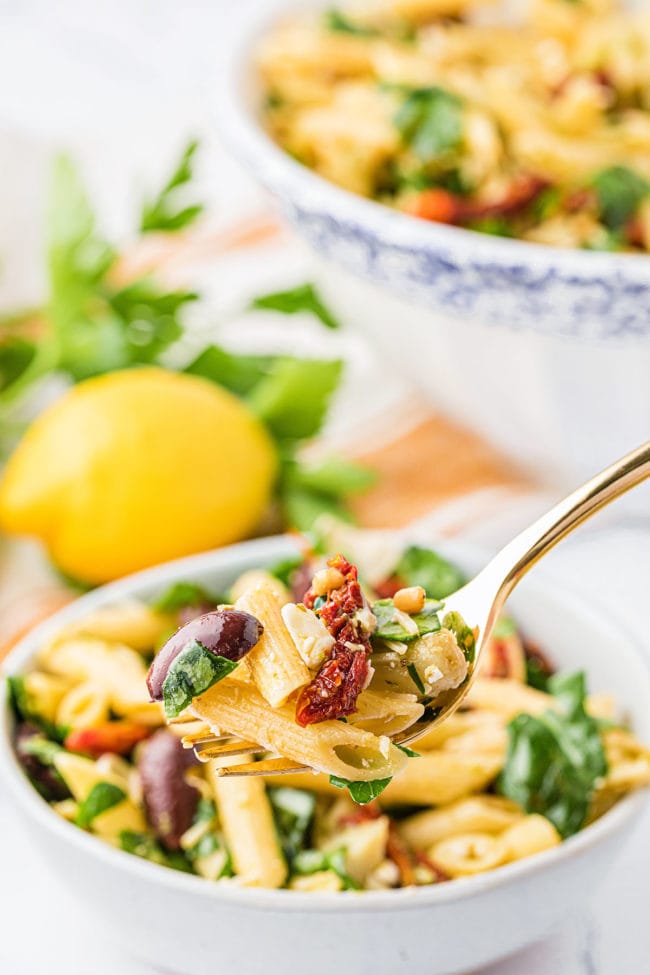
x,y
44,777
169,801
225,632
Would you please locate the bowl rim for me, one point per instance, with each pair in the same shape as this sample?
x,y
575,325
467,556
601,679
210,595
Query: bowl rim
x,y
267,550
243,132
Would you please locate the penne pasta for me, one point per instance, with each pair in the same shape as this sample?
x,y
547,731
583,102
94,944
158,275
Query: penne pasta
x,y
247,822
336,748
479,814
275,665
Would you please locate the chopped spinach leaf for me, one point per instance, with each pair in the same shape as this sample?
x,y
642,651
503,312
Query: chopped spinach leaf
x,y
391,628
430,122
303,298
536,675
415,677
423,567
145,846
293,812
335,476
314,861
102,797
554,761
24,708
285,569
337,22
464,635
192,672
407,751
361,792
619,191
182,594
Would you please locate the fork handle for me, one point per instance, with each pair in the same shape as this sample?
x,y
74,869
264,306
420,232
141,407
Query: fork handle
x,y
521,554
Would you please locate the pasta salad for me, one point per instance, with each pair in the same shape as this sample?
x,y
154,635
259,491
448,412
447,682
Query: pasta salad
x,y
528,761
536,128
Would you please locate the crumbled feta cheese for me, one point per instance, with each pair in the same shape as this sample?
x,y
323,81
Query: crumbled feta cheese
x,y
311,637
366,619
439,661
406,622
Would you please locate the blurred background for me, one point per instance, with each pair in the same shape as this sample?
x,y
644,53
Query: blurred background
x,y
123,88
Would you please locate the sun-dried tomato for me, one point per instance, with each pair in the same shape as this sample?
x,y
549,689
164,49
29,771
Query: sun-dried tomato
x,y
334,690
361,814
399,853
423,860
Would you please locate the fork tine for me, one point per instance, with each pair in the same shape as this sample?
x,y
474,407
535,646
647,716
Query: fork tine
x,y
228,750
183,719
268,766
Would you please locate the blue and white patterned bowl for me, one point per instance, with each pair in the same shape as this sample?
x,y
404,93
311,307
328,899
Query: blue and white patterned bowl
x,y
554,291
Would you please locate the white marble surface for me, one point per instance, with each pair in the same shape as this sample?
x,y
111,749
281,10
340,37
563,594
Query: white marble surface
x,y
122,82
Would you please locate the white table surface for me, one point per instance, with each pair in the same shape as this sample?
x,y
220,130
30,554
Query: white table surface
x,y
122,82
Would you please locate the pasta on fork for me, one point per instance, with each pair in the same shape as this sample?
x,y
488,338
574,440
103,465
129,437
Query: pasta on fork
x,y
323,681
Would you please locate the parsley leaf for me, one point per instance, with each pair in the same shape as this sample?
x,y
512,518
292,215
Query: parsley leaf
x,y
423,567
619,191
303,298
238,373
293,398
554,760
430,122
361,792
164,212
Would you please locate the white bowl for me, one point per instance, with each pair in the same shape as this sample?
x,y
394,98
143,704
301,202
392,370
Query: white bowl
x,y
187,925
546,351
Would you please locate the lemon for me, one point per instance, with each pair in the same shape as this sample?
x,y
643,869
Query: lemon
x,y
136,467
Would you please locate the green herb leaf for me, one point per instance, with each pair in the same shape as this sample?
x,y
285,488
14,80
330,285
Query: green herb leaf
x,y
619,191
554,760
150,318
182,594
361,792
407,751
536,675
145,846
285,569
464,634
337,22
41,748
24,708
16,354
293,812
164,212
430,122
389,628
193,672
302,508
102,796
238,373
415,677
335,476
423,567
294,397
303,298
314,861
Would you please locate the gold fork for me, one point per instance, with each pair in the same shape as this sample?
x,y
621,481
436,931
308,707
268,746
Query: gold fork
x,y
479,603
